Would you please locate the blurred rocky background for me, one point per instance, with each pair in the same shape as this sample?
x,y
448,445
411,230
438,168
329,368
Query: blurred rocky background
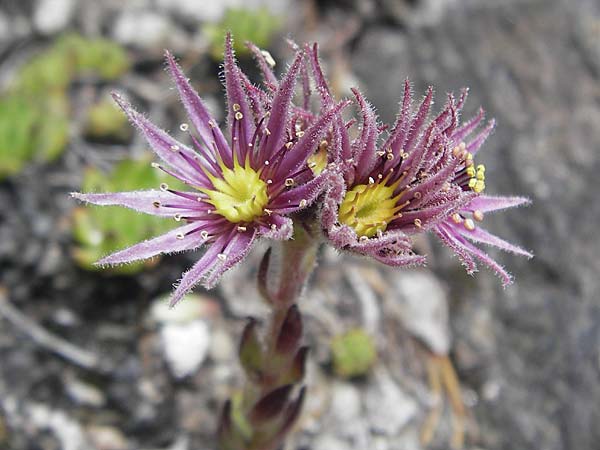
x,y
93,360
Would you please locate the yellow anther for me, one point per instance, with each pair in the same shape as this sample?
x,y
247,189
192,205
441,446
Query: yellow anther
x,y
239,116
289,182
469,224
479,186
236,107
471,171
480,167
478,215
457,218
418,223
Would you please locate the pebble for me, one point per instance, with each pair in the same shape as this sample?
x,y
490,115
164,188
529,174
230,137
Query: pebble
x,y
107,438
142,29
424,308
52,16
186,346
329,442
389,409
85,394
208,11
345,402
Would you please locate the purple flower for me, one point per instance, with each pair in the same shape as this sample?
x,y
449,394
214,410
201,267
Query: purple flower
x,y
240,189
418,177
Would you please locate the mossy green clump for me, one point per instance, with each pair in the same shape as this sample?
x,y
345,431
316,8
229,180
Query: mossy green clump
x,y
353,353
28,133
35,109
254,25
100,231
70,57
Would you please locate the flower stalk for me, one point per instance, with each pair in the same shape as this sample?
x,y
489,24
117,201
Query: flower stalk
x,y
274,363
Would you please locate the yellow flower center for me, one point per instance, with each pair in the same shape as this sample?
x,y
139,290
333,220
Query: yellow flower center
x,y
239,195
369,208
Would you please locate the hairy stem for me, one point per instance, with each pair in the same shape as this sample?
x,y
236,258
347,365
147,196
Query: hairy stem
x,y
274,363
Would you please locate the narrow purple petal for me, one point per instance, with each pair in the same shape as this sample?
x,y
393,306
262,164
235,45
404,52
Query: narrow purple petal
x,y
488,203
236,96
177,240
333,197
301,196
205,125
149,202
488,261
468,127
164,145
419,119
198,271
304,148
398,134
265,68
474,146
236,250
364,147
484,237
280,109
279,228
320,81
449,239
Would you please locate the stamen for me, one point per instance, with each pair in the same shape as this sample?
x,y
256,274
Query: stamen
x,y
238,116
204,234
174,147
469,224
241,229
184,127
164,187
289,182
177,217
222,256
179,236
418,223
156,204
303,203
456,218
478,215
236,107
